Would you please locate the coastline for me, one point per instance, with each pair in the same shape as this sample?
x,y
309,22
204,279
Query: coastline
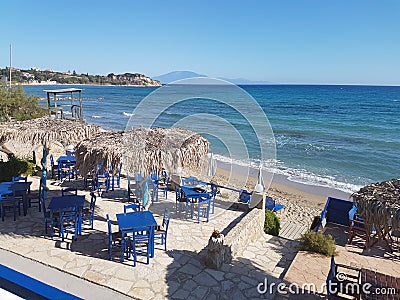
x,y
83,84
302,201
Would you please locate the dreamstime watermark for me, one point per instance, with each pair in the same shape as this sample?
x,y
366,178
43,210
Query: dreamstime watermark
x,y
339,286
220,111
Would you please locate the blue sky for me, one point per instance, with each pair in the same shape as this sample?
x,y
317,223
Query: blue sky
x,y
298,41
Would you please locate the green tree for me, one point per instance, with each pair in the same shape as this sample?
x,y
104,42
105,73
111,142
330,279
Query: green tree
x,y
15,103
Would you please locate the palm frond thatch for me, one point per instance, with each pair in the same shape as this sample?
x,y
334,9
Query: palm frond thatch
x,y
379,203
43,130
142,150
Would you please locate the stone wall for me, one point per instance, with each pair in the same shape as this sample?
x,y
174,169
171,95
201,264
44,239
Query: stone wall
x,y
250,228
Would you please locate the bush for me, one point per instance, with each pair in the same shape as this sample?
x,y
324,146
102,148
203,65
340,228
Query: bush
x,y
15,167
272,225
15,103
317,243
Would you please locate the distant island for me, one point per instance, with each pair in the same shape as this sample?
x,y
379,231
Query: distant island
x,y
37,76
179,75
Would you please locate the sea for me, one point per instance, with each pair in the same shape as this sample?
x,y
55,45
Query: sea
x,y
337,136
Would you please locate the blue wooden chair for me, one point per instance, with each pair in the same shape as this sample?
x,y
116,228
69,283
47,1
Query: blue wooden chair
x,y
114,238
244,196
139,244
70,152
102,182
54,168
357,227
202,206
349,280
9,202
161,231
65,171
19,178
163,185
131,194
88,212
271,205
214,191
34,197
189,180
133,206
69,191
69,223
21,195
180,201
115,177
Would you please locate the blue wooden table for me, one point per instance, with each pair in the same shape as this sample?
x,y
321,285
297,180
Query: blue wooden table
x,y
193,197
135,221
191,193
65,203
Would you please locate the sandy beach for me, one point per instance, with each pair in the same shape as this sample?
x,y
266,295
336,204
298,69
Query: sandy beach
x,y
302,201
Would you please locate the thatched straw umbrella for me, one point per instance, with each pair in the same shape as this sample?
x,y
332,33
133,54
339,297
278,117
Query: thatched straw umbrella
x,y
143,150
379,203
23,137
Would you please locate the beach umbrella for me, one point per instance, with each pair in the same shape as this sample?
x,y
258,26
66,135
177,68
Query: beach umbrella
x,y
260,186
212,167
379,204
143,149
23,137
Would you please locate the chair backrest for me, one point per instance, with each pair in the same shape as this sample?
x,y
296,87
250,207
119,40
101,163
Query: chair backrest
x,y
244,196
19,178
166,218
69,191
214,190
269,202
190,180
134,206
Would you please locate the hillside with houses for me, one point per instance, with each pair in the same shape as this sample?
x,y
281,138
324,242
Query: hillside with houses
x,y
38,76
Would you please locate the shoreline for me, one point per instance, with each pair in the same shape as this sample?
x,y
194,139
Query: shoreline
x,y
302,201
83,84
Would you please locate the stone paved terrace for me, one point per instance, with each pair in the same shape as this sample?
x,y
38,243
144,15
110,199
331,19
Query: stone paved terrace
x,y
178,273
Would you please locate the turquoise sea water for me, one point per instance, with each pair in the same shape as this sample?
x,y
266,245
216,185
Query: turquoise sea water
x,y
338,136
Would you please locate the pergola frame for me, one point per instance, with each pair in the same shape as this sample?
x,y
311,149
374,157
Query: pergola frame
x,y
76,109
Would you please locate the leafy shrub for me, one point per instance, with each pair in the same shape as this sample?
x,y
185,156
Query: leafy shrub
x,y
15,103
317,243
15,167
272,225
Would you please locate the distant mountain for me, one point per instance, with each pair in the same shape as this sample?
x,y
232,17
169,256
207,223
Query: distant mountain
x,y
243,81
178,75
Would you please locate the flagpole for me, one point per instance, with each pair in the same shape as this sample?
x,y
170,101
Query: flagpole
x,y
10,62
